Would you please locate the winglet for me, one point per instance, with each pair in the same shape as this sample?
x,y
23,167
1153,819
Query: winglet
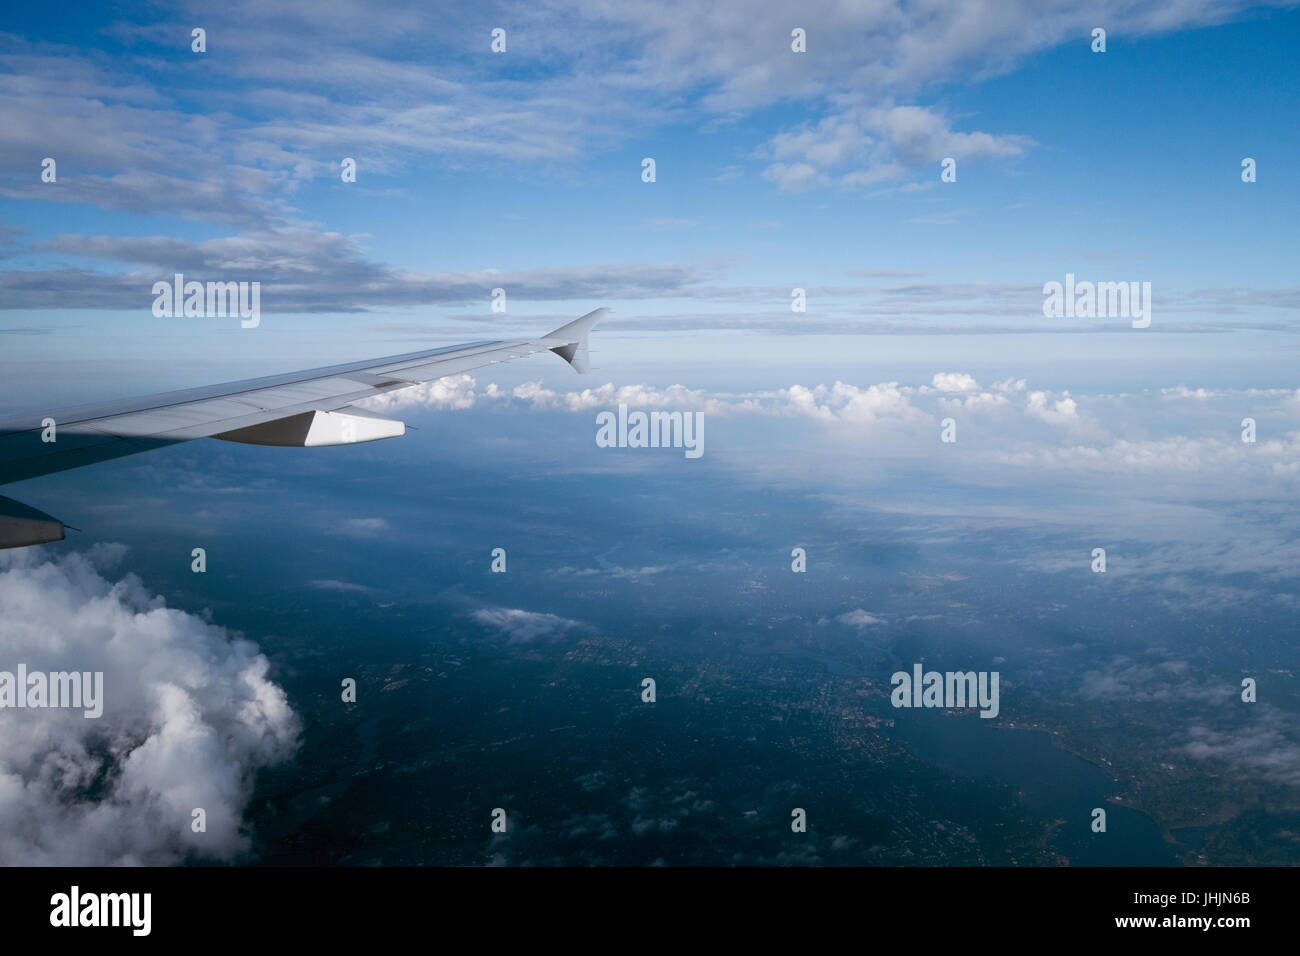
x,y
569,342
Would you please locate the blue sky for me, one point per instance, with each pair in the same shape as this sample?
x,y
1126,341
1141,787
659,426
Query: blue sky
x,y
521,170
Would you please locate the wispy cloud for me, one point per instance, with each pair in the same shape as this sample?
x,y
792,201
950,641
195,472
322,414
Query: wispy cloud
x,y
524,627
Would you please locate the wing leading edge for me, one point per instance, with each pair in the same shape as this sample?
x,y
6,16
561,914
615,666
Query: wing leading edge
x,y
311,407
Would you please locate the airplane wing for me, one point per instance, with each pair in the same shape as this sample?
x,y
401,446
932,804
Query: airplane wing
x,y
306,408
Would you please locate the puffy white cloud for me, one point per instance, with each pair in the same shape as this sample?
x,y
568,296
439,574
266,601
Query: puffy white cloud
x,y
803,400
611,396
977,401
881,403
873,403
452,392
1182,391
189,715
953,382
1060,411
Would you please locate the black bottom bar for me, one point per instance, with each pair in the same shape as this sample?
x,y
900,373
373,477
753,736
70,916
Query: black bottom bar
x,y
978,906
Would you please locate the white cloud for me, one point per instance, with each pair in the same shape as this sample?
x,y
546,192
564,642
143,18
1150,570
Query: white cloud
x,y
882,403
866,146
1182,391
953,382
614,571
189,715
333,584
977,401
859,618
599,73
885,402
524,627
304,270
1060,411
609,396
793,177
1269,744
1104,441
451,393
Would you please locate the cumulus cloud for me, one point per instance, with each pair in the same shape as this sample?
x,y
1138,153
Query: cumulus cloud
x,y
1182,391
1058,411
452,392
609,395
883,402
189,715
953,382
